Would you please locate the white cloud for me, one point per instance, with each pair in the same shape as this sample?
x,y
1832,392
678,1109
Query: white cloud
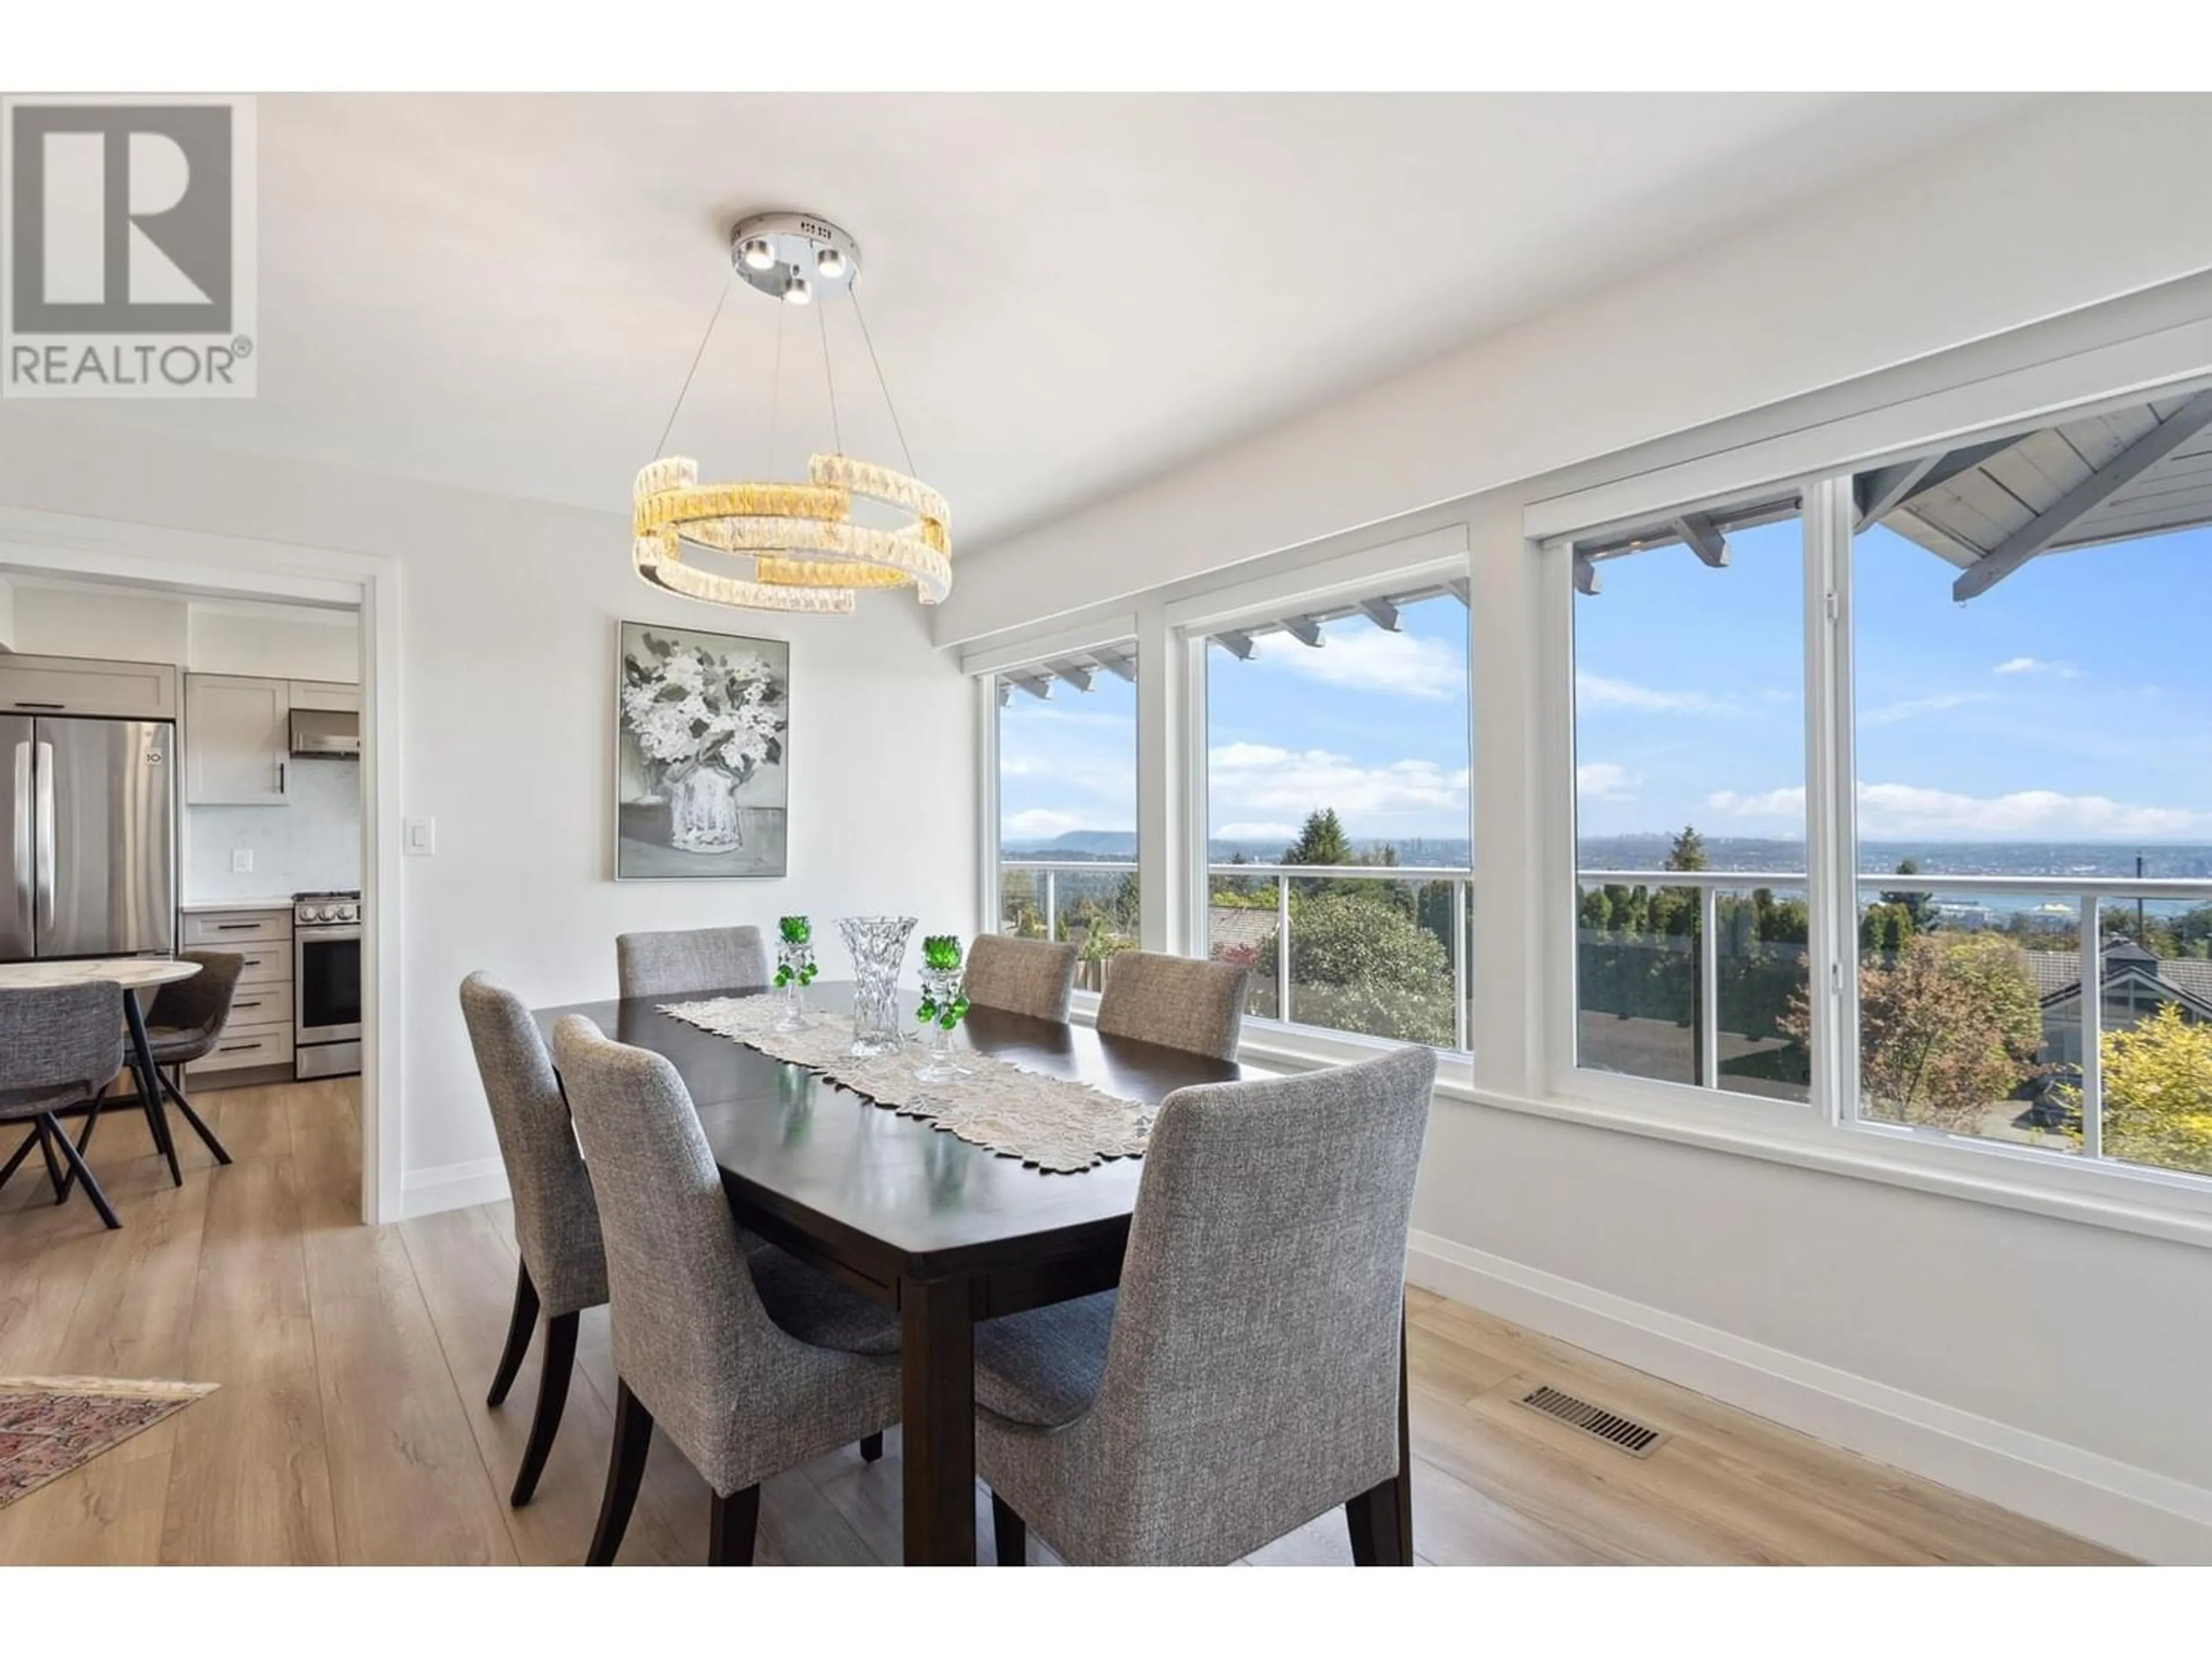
x,y
1264,783
2064,670
1369,659
1595,691
1894,810
1043,822
1890,713
1604,780
1282,832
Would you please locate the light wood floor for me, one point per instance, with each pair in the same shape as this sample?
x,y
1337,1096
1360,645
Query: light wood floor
x,y
350,1425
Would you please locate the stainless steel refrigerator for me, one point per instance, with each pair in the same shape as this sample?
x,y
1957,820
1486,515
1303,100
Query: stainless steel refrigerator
x,y
88,837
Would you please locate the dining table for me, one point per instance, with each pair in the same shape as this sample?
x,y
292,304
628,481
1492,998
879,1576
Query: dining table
x,y
945,1232
133,975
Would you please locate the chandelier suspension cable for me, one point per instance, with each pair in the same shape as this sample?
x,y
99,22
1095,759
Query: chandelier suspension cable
x,y
721,298
775,392
881,385
837,433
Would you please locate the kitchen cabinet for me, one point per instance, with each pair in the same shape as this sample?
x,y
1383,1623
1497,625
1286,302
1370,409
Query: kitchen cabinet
x,y
260,1030
69,685
326,694
237,740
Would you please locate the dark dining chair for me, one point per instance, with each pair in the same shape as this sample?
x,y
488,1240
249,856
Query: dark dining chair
x,y
1178,1002
1244,1378
1020,975
60,1047
563,1269
696,959
184,1023
752,1364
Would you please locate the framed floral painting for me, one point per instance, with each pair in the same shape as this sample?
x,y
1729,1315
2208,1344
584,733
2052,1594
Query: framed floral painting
x,y
702,754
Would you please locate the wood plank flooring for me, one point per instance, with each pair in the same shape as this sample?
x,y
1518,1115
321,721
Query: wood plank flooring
x,y
350,1425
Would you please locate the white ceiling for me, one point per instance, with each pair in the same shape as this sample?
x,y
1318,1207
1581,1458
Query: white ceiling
x,y
1068,293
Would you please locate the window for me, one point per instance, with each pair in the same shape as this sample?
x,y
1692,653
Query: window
x,y
1337,847
1067,804
1690,802
2014,838
2033,812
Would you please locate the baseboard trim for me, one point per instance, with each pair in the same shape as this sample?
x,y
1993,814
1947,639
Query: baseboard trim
x,y
452,1187
2117,1504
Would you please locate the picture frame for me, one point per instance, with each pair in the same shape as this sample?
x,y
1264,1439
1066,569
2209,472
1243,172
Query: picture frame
x,y
703,735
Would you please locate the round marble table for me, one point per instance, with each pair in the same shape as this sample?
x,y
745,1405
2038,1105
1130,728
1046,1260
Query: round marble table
x,y
134,975
131,973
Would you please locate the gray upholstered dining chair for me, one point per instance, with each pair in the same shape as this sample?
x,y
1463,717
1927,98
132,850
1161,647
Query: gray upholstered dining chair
x,y
1020,975
1245,1377
563,1269
697,959
1178,1002
752,1363
60,1047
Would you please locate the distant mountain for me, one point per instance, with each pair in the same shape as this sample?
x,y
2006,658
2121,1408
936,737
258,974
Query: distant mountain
x,y
1077,844
1121,845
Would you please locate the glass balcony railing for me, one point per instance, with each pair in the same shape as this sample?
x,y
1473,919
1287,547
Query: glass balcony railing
x,y
1375,949
1980,1013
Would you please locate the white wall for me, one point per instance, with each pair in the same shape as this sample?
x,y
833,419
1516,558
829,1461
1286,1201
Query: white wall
x,y
2069,204
54,621
7,614
507,648
298,644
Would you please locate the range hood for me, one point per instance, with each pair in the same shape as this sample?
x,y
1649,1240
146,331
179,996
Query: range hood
x,y
326,734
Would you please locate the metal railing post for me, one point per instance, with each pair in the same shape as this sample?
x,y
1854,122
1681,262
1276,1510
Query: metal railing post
x,y
1051,906
1462,1016
1708,988
1283,948
2093,1030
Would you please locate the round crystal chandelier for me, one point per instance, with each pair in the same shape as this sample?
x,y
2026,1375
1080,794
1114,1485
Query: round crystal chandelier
x,y
791,544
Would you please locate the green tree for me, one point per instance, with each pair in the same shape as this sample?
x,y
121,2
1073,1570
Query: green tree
x,y
1919,908
2158,1092
1359,966
1688,851
1320,840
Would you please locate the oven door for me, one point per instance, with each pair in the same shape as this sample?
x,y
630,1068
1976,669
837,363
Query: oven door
x,y
326,984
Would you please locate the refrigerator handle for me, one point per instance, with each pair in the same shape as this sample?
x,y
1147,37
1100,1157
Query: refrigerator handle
x,y
44,917
25,860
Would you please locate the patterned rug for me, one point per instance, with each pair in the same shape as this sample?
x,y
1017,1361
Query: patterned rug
x,y
52,1425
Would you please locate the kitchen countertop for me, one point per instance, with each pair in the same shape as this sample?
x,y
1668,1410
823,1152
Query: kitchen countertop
x,y
192,906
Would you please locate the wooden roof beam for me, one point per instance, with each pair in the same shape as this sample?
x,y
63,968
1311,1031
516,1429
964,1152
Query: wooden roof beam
x,y
1237,642
1304,630
1122,664
2077,503
1880,493
1383,614
1705,538
1586,574
1074,673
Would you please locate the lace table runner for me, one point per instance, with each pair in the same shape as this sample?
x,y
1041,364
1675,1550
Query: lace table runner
x,y
1048,1122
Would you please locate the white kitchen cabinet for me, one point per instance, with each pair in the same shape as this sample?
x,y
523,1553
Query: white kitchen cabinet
x,y
326,694
237,740
69,685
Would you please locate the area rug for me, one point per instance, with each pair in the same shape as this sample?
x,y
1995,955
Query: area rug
x,y
52,1425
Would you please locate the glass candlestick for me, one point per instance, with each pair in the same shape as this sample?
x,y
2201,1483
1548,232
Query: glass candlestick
x,y
794,970
942,1009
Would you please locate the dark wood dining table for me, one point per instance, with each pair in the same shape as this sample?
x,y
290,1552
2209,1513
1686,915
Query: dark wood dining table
x,y
916,1219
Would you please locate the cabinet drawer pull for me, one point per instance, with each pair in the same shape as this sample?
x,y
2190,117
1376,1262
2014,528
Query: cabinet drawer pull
x,y
256,1003
234,1048
238,927
41,705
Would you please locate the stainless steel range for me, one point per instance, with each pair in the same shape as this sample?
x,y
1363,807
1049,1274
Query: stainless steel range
x,y
325,984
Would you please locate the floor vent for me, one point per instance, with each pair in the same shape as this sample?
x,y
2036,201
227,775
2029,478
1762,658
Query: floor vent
x,y
1637,1439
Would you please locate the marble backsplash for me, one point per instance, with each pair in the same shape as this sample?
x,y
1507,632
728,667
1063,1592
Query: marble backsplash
x,y
310,844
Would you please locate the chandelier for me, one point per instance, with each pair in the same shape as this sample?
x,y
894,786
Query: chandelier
x,y
791,544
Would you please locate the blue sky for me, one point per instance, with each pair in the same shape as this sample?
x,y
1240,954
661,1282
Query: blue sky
x,y
2061,705
2058,705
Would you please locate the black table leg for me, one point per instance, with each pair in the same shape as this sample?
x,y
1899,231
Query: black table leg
x,y
937,1326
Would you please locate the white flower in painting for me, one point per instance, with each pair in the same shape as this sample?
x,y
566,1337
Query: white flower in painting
x,y
687,708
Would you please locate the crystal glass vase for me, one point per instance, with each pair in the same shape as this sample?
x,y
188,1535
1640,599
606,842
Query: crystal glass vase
x,y
877,944
794,967
702,811
942,1006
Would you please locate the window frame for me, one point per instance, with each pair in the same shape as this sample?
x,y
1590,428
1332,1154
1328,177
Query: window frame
x,y
2140,1198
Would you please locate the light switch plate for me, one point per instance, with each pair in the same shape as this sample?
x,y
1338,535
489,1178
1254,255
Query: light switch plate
x,y
421,839
242,861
